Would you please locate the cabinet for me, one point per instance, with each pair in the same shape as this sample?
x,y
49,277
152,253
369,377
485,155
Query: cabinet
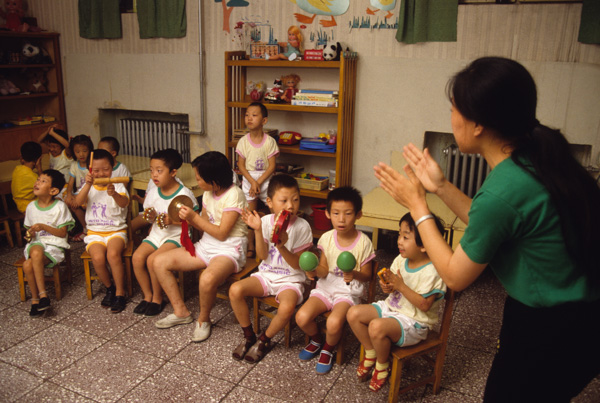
x,y
238,69
18,106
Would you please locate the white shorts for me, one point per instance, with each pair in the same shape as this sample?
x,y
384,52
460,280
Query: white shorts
x,y
95,237
263,187
412,331
273,287
54,253
333,289
156,241
233,248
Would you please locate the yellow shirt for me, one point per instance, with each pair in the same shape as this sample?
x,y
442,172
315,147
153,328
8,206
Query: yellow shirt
x,y
23,180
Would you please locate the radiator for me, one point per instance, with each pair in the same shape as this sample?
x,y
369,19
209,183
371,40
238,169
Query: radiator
x,y
143,137
465,171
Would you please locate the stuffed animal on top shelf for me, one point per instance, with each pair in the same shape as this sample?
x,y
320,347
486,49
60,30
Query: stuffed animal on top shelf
x,y
36,82
13,14
7,87
333,52
290,84
33,54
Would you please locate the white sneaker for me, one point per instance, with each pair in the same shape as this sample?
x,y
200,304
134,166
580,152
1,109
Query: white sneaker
x,y
172,320
201,332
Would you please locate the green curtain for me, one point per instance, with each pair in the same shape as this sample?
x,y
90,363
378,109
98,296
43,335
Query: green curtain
x,y
99,19
162,18
427,21
589,30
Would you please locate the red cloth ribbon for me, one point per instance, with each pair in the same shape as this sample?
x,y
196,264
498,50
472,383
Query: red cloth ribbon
x,y
186,242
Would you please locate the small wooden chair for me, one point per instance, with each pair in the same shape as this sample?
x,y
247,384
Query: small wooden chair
x,y
6,230
12,214
55,278
436,342
370,296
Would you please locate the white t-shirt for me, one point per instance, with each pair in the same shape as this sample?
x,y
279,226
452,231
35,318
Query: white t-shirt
x,y
78,173
155,198
232,199
56,215
62,163
361,248
102,213
257,155
120,170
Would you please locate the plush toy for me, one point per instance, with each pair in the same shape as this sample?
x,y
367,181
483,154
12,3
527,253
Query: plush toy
x,y
255,90
7,87
290,82
37,82
293,47
13,14
33,54
273,94
332,52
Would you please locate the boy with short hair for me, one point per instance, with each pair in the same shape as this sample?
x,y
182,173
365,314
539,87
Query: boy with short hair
x,y
111,144
23,176
336,291
279,273
48,222
57,142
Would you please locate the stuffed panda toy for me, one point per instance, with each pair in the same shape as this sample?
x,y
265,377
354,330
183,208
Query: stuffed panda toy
x,y
33,54
332,51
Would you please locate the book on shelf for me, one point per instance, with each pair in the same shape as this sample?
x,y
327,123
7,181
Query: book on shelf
x,y
302,102
310,91
315,97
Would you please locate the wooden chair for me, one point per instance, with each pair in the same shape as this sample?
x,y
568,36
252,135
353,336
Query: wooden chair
x,y
370,296
436,342
55,278
127,254
6,230
12,214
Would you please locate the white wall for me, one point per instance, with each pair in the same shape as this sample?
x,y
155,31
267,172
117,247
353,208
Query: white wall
x,y
400,87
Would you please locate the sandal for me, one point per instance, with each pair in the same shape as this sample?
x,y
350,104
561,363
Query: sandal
x,y
377,383
257,352
78,238
363,372
242,349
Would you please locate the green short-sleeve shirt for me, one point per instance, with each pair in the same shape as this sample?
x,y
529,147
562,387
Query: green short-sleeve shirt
x,y
514,227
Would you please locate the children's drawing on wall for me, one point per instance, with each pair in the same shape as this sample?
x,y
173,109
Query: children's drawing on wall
x,y
377,9
321,7
228,7
382,5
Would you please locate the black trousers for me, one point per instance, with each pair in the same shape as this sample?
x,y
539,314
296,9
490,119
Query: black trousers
x,y
545,354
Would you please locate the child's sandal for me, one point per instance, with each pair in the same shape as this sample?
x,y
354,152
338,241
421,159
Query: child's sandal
x,y
257,352
242,349
377,383
363,372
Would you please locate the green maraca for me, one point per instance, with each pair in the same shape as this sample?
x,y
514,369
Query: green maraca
x,y
308,261
346,262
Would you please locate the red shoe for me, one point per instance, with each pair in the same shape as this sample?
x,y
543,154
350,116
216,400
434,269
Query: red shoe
x,y
377,383
364,372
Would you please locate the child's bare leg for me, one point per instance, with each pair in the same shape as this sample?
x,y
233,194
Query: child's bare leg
x,y
30,275
216,273
164,264
157,296
287,304
114,255
139,258
335,323
80,215
251,253
305,317
382,331
98,253
38,261
248,287
138,223
359,317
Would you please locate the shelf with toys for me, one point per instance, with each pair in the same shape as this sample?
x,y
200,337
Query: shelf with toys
x,y
336,76
31,88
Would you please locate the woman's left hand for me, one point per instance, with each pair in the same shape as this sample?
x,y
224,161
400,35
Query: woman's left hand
x,y
406,190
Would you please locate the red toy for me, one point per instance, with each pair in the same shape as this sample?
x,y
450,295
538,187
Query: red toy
x,y
290,82
13,14
281,223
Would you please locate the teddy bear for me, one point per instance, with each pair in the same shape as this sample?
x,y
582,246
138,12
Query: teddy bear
x,y
36,82
333,52
7,87
33,54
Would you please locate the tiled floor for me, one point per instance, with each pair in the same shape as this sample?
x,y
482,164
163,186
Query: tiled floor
x,y
81,352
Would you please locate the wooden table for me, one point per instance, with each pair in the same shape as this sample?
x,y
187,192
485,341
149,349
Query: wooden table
x,y
381,211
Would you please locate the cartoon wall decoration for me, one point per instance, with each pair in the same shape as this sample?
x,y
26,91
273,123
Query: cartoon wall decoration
x,y
321,7
228,7
383,5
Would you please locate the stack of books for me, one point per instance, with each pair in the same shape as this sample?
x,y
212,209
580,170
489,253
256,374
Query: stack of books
x,y
326,98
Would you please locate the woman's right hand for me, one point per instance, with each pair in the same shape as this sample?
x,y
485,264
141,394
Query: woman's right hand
x,y
425,168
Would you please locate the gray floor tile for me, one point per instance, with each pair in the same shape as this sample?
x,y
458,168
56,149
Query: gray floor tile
x,y
49,391
101,321
15,382
16,325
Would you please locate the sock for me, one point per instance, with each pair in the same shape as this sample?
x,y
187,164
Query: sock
x,y
370,356
324,358
42,293
264,339
317,338
382,367
249,333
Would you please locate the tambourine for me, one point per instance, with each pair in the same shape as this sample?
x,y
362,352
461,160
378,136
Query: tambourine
x,y
176,204
281,223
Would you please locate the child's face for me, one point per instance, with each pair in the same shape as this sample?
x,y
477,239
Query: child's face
x,y
43,186
161,175
285,199
407,244
104,145
55,149
202,184
101,168
254,118
81,153
342,216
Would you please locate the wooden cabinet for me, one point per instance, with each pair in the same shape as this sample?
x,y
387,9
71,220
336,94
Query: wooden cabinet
x,y
338,75
14,67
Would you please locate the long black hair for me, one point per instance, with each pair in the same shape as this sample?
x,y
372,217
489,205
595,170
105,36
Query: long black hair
x,y
501,95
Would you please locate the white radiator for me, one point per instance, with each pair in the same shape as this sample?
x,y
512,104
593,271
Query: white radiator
x,y
465,171
143,137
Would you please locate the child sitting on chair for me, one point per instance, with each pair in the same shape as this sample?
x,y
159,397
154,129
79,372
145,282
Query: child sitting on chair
x,y
47,221
165,234
336,291
407,314
220,252
279,274
81,147
106,219
111,144
57,142
24,177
